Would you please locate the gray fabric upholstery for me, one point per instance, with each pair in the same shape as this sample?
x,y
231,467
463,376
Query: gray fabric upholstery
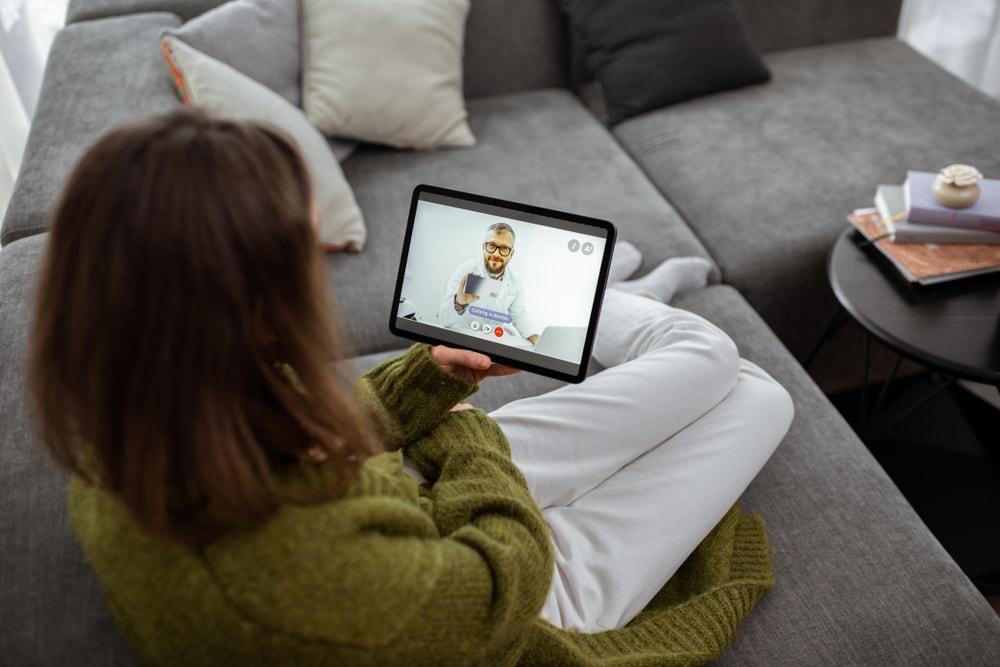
x,y
509,46
860,580
767,187
119,57
51,609
515,46
88,10
539,147
785,24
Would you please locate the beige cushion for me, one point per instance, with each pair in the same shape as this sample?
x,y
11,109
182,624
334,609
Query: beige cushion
x,y
214,86
386,71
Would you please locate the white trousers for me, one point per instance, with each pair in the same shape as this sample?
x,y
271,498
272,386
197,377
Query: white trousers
x,y
634,466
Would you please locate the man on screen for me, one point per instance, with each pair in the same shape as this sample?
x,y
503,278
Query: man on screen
x,y
497,298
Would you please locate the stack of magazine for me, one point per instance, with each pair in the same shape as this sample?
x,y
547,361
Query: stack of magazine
x,y
927,242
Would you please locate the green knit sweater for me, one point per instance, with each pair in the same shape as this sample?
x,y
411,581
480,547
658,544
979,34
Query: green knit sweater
x,y
453,573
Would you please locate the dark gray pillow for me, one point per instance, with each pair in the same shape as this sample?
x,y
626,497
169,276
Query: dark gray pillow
x,y
648,54
259,38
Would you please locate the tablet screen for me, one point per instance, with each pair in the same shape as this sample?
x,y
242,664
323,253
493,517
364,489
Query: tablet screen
x,y
520,283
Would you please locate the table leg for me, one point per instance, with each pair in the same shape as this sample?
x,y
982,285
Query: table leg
x,y
888,381
838,321
865,356
885,426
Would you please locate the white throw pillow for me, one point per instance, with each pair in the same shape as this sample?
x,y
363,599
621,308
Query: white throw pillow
x,y
386,71
205,82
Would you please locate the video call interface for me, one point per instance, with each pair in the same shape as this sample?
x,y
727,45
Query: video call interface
x,y
508,282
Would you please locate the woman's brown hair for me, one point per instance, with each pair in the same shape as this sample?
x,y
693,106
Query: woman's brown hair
x,y
182,271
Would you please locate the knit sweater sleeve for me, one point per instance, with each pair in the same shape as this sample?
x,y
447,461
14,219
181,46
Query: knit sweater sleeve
x,y
380,578
409,395
494,534
487,568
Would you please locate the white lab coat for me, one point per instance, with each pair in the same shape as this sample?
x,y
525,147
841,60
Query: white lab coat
x,y
506,307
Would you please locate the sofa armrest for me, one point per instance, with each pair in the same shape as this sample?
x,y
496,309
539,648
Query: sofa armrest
x,y
99,74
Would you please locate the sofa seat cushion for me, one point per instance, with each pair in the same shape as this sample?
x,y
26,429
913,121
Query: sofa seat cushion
x,y
540,147
121,58
766,175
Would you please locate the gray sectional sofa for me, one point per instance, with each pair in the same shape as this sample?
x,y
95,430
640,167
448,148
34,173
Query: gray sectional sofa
x,y
756,179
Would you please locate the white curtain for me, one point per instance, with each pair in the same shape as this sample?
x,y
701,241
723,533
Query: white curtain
x,y
13,132
963,36
26,31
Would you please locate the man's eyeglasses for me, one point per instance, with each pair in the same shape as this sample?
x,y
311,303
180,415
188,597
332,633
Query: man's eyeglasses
x,y
493,247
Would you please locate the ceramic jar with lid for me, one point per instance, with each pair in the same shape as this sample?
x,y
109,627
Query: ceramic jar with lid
x,y
957,186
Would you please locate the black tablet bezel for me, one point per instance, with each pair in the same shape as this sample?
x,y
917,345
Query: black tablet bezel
x,y
500,352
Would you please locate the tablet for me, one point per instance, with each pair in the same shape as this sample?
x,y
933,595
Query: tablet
x,y
520,283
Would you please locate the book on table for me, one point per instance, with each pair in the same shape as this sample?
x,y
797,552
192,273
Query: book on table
x,y
890,201
927,263
924,208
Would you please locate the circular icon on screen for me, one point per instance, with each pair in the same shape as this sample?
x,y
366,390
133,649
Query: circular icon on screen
x,y
498,332
487,328
588,248
475,326
573,245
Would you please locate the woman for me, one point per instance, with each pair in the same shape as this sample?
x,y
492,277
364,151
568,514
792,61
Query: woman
x,y
240,505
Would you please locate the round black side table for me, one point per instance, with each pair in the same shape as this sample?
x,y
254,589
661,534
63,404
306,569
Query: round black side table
x,y
952,328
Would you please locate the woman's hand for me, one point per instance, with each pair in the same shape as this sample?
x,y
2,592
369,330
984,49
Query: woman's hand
x,y
468,365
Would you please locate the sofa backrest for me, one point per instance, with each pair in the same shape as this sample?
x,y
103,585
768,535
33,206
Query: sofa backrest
x,y
513,45
516,45
510,45
88,10
776,25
